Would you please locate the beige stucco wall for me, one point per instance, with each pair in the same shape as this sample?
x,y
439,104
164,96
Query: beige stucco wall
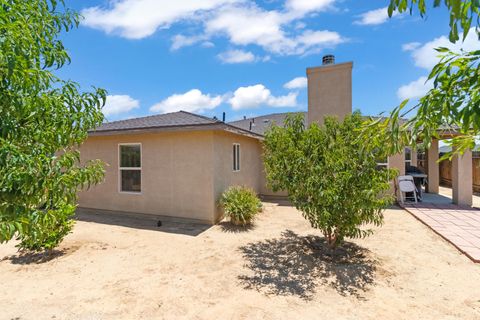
x,y
397,162
329,91
462,179
177,175
183,173
414,157
250,174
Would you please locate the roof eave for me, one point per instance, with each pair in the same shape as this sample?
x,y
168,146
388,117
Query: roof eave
x,y
177,128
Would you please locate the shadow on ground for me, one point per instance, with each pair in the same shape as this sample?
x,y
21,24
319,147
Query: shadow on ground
x,y
141,221
25,258
229,227
296,265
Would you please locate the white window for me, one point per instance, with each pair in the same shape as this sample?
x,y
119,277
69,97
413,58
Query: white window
x,y
408,157
130,167
382,163
236,157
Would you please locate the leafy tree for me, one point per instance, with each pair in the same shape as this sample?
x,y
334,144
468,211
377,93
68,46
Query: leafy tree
x,y
42,121
462,13
330,174
453,103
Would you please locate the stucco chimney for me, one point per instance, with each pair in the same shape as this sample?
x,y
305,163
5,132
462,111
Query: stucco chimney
x,y
329,90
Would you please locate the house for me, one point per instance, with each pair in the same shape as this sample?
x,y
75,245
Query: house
x,y
178,164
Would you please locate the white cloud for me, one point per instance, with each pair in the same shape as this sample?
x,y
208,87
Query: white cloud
x,y
208,44
236,56
411,46
258,95
136,19
179,41
425,56
192,101
415,89
117,104
308,5
315,40
251,25
296,83
243,22
374,17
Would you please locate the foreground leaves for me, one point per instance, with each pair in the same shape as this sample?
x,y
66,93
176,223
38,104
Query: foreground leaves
x,y
452,108
42,121
462,13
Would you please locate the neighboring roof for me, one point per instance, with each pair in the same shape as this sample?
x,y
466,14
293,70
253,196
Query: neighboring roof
x,y
262,123
180,120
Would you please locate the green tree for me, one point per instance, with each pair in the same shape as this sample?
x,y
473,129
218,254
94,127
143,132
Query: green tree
x,y
462,13
43,119
330,175
454,102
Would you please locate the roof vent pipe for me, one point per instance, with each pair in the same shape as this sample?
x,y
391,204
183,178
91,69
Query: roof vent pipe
x,y
328,59
223,117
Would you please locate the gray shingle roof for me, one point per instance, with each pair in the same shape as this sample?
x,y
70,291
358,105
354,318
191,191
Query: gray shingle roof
x,y
262,123
187,120
174,119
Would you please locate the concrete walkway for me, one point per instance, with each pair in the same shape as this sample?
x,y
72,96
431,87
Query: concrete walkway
x,y
458,225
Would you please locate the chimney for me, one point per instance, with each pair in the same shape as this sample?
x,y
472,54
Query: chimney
x,y
328,59
223,117
329,90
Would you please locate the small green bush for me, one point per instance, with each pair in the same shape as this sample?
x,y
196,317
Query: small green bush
x,y
46,229
240,204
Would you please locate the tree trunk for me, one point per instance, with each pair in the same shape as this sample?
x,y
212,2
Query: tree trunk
x,y
331,240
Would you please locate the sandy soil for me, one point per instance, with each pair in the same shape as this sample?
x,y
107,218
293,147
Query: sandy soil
x,y
129,269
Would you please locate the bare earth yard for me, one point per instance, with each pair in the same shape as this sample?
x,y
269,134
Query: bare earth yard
x,y
278,270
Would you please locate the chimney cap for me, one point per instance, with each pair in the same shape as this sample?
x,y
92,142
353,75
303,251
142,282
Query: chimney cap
x,y
328,59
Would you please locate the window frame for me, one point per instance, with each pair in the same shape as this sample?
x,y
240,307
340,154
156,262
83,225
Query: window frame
x,y
405,156
384,164
236,155
120,168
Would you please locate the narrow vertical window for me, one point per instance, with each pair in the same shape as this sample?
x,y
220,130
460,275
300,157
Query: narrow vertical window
x,y
130,167
236,157
408,158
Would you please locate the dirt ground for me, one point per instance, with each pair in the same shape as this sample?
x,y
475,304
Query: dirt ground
x,y
130,269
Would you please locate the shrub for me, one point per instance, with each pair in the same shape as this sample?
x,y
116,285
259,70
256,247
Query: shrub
x,y
46,229
240,204
330,174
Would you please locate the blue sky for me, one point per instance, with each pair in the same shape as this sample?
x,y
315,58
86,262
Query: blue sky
x,y
237,56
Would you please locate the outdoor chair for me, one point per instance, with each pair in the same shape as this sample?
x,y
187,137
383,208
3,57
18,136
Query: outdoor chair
x,y
406,185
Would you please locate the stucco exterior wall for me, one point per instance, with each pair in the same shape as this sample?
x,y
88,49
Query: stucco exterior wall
x,y
329,91
177,175
397,162
251,166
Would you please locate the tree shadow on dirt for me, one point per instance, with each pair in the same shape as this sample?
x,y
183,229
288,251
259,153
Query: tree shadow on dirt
x,y
24,258
297,265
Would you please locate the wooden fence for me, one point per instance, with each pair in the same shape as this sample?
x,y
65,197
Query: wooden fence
x,y
446,173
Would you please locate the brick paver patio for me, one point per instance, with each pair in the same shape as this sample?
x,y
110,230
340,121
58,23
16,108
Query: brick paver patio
x,y
458,225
